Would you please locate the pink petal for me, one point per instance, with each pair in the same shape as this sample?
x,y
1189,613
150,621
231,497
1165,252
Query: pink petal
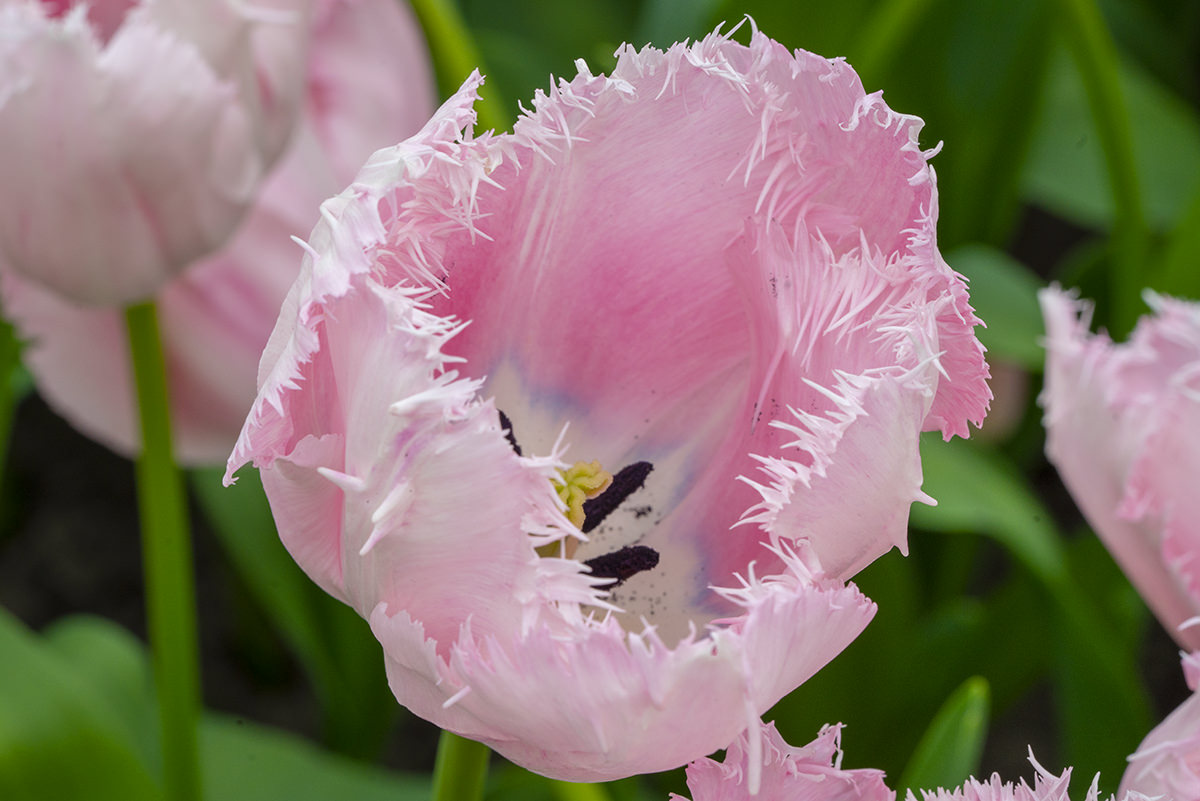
x,y
1046,787
127,160
760,766
720,259
216,317
1167,763
597,703
1191,669
1123,429
809,773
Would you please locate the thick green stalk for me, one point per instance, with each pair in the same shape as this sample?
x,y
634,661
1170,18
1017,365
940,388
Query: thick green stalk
x,y
569,791
1095,53
460,769
167,557
455,56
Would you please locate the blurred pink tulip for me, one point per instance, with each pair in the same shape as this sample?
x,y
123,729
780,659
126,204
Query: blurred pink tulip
x,y
1123,429
136,134
1167,763
760,766
368,83
718,268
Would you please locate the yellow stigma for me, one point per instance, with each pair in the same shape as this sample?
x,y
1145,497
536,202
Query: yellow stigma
x,y
580,482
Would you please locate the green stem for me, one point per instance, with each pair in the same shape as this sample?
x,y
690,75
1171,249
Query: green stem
x,y
460,769
1095,53
455,56
569,791
167,557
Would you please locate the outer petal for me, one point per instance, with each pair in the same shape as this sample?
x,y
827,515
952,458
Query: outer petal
x,y
760,766
217,317
1167,763
129,159
628,304
606,704
1123,429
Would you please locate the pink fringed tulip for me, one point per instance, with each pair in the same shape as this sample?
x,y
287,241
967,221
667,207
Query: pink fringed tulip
x,y
136,134
1167,763
1123,429
1046,787
712,280
368,82
760,766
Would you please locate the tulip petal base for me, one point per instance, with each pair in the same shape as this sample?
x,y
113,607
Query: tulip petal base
x,y
750,238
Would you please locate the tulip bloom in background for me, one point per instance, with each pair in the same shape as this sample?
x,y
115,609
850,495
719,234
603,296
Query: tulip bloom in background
x,y
1046,787
137,134
813,772
1167,763
367,83
1123,429
710,281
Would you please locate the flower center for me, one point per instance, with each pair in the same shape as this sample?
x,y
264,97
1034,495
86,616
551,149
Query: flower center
x,y
591,494
581,482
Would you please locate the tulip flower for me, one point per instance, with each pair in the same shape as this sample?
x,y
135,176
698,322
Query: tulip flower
x,y
783,773
1046,787
1167,763
137,134
368,83
1123,429
592,420
814,773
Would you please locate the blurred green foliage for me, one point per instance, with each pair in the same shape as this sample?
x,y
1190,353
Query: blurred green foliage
x,y
1003,611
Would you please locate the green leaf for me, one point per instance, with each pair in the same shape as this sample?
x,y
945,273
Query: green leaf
x,y
949,750
524,42
1065,173
242,521
245,762
75,704
877,684
1098,684
663,22
979,492
56,739
1178,271
1004,294
115,671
